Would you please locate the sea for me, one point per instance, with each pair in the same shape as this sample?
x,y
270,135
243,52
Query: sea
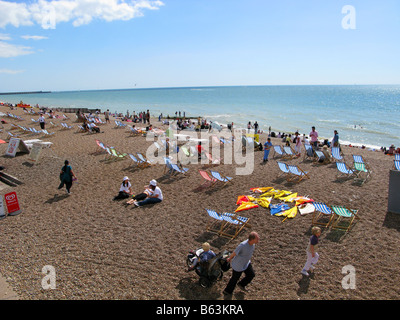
x,y
364,115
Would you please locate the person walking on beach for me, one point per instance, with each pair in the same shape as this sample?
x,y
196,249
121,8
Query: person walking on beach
x,y
107,116
66,177
314,137
312,254
42,121
267,148
240,262
255,127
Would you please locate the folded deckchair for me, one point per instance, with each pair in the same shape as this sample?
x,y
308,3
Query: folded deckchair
x,y
322,213
342,214
220,177
344,170
297,173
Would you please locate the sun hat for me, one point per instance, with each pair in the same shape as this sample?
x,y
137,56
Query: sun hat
x,y
125,178
153,182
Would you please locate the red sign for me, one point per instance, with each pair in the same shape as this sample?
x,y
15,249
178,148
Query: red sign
x,y
12,203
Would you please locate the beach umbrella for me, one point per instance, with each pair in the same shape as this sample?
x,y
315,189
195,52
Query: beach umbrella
x,y
261,189
276,209
290,213
264,202
289,198
246,206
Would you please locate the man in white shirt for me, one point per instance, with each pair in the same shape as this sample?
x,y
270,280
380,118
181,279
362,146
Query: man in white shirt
x,y
155,195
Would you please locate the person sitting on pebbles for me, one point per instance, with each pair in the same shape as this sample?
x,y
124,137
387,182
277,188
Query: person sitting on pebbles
x,y
152,194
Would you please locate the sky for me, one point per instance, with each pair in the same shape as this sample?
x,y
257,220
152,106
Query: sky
x,y
113,44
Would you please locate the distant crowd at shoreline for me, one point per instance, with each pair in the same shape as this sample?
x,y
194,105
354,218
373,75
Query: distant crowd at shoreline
x,y
184,122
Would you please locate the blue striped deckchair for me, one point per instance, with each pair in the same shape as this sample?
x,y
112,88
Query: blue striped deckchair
x,y
283,167
235,222
288,152
344,213
135,161
397,164
216,220
219,177
344,170
319,156
143,161
278,150
179,170
309,152
322,211
297,173
397,156
336,154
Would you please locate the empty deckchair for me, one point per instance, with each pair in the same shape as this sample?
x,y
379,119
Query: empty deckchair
x,y
213,162
135,161
278,150
209,180
323,215
168,167
344,170
397,164
116,155
284,168
216,222
46,133
220,177
233,222
343,214
289,152
177,169
144,162
297,173
362,172
397,156
337,154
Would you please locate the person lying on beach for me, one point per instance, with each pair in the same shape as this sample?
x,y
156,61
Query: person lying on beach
x,y
152,194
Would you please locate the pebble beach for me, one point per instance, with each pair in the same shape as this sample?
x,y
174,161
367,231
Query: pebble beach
x,y
102,249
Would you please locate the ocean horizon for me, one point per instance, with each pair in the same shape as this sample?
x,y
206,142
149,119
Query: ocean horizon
x,y
362,114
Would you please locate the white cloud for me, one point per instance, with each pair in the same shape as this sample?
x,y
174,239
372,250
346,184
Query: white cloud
x,y
27,37
79,12
8,50
8,71
4,37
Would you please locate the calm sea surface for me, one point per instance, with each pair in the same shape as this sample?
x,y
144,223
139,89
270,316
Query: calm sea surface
x,y
366,115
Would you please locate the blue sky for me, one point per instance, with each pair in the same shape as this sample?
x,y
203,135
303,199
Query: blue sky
x,y
111,44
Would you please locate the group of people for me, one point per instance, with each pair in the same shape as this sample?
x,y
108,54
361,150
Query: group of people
x,y
298,142
240,260
151,194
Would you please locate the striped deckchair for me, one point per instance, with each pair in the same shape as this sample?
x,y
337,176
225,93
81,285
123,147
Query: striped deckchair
x,y
216,223
320,215
344,170
397,164
337,155
284,168
233,222
344,213
297,173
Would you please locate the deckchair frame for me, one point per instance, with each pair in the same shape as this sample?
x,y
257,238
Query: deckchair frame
x,y
343,213
322,210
